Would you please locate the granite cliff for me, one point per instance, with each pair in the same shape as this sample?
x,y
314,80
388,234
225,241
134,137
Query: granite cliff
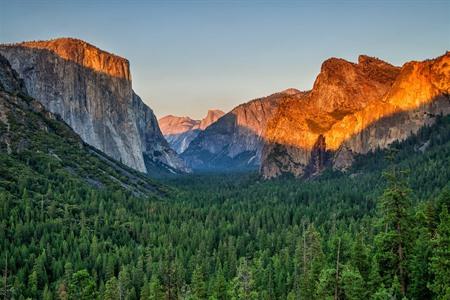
x,y
235,141
92,92
180,131
354,109
34,141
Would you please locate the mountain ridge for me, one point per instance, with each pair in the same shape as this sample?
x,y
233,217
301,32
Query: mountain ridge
x,y
91,90
399,102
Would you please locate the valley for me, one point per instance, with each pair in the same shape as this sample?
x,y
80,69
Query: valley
x,y
340,192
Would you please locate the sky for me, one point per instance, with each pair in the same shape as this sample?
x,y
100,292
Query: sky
x,y
190,56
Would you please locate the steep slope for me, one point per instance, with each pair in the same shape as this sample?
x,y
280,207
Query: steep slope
x,y
91,90
37,144
180,131
354,108
236,139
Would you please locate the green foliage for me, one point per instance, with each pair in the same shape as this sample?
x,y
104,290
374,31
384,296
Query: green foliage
x,y
353,284
243,285
198,284
393,241
226,236
112,289
82,286
440,260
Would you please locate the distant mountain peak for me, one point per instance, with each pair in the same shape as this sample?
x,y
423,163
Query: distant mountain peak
x,y
171,124
180,131
212,116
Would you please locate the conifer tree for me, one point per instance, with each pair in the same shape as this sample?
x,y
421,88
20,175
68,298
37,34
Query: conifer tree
x,y
311,262
82,286
352,283
47,294
198,284
220,285
440,260
112,289
243,285
156,291
395,205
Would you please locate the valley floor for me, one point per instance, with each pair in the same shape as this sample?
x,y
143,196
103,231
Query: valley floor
x,y
233,236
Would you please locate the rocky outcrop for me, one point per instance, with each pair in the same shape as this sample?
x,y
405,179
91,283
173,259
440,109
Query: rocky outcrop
x,y
354,109
92,91
180,131
236,139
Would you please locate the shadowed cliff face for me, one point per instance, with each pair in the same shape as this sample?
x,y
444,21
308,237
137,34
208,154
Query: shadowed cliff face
x,y
235,141
180,131
91,90
355,108
28,132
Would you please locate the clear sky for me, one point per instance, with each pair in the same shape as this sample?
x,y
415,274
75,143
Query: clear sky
x,y
189,56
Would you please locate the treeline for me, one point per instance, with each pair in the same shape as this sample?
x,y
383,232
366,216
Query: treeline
x,y
364,235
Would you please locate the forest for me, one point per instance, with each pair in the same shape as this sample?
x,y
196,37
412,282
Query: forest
x,y
379,231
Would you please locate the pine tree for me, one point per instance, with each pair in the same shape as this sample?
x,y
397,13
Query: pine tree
x,y
324,289
360,256
156,291
440,260
395,205
124,283
5,292
420,275
68,271
220,285
33,283
112,289
145,291
243,286
110,267
138,273
311,262
198,284
47,294
374,281
82,286
352,284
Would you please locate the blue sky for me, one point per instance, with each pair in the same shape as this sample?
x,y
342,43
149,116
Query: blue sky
x,y
189,56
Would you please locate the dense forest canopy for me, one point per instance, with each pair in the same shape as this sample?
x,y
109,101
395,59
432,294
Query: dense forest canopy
x,y
380,231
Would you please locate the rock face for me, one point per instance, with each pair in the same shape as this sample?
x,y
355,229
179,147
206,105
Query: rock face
x,y
180,131
353,109
236,140
91,90
29,132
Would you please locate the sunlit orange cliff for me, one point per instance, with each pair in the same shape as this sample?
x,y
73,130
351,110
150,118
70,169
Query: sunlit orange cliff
x,y
352,109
